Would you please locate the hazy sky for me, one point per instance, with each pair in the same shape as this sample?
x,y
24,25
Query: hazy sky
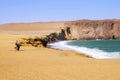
x,y
57,10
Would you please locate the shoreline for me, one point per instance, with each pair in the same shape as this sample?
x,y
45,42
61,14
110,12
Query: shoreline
x,y
93,53
51,46
76,53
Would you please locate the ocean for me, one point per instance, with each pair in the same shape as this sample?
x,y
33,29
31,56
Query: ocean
x,y
98,49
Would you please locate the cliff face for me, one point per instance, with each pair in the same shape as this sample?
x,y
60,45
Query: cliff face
x,y
99,29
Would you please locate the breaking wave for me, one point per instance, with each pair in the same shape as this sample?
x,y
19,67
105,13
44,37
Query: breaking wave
x,y
93,52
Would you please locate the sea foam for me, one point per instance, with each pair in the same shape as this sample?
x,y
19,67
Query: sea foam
x,y
94,52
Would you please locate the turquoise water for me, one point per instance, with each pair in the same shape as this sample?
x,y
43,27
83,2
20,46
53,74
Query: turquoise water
x,y
105,45
98,49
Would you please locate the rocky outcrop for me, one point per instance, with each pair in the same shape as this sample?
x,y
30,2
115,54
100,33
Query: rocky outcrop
x,y
94,29
64,34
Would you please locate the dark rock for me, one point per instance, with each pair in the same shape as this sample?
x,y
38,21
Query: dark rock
x,y
53,37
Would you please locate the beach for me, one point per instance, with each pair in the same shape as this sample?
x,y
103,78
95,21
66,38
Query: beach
x,y
59,40
32,63
39,63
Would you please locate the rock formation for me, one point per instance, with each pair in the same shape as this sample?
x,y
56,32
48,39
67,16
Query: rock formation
x,y
64,34
94,29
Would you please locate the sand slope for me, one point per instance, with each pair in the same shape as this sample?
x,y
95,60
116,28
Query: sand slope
x,y
33,29
36,26
48,64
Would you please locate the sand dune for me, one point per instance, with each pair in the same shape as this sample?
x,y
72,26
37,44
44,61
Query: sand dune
x,y
33,29
49,64
36,26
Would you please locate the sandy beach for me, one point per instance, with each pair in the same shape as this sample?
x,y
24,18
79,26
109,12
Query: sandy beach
x,y
32,63
59,40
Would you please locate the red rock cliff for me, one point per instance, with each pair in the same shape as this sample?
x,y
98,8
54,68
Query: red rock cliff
x,y
94,29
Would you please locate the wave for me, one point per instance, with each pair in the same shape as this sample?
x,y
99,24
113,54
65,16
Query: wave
x,y
94,52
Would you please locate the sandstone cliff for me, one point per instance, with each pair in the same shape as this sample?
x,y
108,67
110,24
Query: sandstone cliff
x,y
94,29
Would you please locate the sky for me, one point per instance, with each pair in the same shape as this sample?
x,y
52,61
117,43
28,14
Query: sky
x,y
12,11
